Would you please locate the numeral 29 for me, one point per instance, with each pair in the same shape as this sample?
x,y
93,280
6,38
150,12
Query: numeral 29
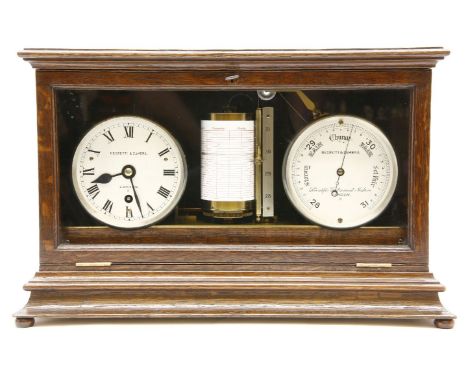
x,y
310,145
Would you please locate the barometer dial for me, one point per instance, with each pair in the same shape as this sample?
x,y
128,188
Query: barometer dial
x,y
129,172
340,172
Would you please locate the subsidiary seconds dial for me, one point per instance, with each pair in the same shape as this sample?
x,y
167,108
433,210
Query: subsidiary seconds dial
x,y
340,172
129,172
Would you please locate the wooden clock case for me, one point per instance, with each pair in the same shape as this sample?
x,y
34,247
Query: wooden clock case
x,y
244,270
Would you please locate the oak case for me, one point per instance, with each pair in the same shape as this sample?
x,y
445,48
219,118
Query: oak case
x,y
247,270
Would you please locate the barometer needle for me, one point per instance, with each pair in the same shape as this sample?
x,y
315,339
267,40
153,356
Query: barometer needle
x,y
335,191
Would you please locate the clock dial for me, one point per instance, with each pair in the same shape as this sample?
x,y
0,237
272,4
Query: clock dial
x,y
340,172
129,172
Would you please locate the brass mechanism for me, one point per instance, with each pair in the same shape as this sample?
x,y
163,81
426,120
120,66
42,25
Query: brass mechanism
x,y
373,265
95,264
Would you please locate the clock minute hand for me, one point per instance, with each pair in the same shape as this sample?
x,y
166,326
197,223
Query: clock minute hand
x,y
136,197
105,178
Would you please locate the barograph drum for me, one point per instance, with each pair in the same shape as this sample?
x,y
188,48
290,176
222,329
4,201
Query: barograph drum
x,y
227,166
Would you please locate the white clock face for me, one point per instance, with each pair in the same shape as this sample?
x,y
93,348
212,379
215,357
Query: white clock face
x,y
128,172
340,172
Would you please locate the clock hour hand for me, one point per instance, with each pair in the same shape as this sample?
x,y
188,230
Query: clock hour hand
x,y
105,178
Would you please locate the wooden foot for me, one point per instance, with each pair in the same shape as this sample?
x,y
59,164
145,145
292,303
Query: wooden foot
x,y
24,322
444,324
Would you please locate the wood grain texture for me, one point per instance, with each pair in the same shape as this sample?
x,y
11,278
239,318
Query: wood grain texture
x,y
244,234
290,247
226,59
232,271
109,280
229,294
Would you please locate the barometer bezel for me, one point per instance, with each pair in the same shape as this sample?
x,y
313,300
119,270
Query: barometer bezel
x,y
309,130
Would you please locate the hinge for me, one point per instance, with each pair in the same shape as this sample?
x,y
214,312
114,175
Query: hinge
x,y
373,265
96,264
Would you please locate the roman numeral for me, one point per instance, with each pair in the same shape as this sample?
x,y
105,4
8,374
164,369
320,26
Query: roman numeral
x,y
149,136
88,171
164,192
108,206
128,212
94,151
149,206
93,190
169,172
128,131
109,136
164,152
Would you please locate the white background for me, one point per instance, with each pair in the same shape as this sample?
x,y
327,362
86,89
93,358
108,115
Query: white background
x,y
233,350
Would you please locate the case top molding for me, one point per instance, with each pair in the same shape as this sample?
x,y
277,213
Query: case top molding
x,y
330,59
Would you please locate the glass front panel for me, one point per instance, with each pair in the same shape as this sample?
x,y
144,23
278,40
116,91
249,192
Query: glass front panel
x,y
230,182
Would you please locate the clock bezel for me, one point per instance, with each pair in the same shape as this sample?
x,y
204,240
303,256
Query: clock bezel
x,y
169,207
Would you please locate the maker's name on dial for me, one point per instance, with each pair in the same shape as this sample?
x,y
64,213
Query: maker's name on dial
x,y
128,153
